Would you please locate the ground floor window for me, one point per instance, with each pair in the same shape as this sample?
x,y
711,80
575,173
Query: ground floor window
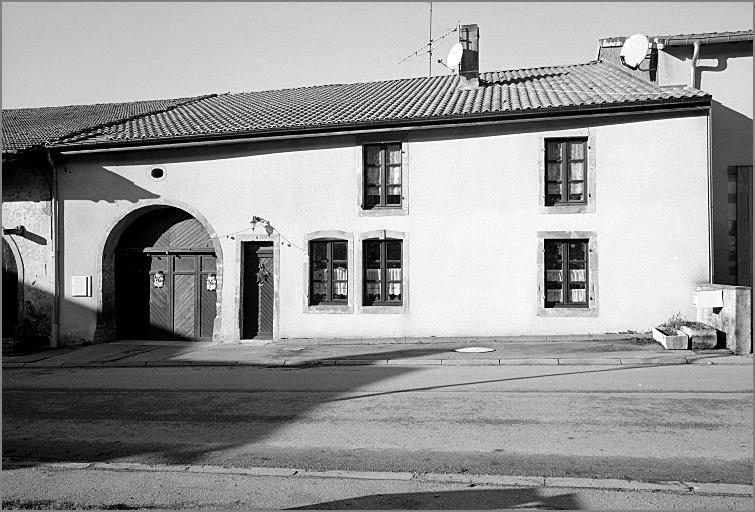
x,y
566,277
383,278
329,272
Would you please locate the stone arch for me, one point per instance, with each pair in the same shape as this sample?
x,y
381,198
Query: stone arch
x,y
106,329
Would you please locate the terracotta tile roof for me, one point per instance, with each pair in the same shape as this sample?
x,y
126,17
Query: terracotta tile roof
x,y
688,39
436,99
27,127
371,104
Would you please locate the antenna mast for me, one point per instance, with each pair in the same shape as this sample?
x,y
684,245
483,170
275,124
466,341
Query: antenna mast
x,y
430,59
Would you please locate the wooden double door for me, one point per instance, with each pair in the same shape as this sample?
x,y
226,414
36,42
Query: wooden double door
x,y
166,296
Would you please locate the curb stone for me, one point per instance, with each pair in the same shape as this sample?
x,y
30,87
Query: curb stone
x,y
496,480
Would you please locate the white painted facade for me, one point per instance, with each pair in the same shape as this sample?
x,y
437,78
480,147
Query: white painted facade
x,y
471,223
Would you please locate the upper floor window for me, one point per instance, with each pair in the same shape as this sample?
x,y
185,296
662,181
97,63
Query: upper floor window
x,y
329,272
383,279
382,176
566,273
565,167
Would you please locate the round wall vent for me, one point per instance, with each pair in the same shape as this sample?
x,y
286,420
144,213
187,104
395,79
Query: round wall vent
x,y
157,173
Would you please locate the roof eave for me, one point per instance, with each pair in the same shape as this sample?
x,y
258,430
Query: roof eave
x,y
673,104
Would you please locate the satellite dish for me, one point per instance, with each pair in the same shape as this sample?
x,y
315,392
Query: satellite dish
x,y
454,56
634,50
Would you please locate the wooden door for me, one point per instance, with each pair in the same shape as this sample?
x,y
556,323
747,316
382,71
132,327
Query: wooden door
x,y
166,296
744,225
258,291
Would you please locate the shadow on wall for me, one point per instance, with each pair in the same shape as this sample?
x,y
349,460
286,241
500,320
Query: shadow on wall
x,y
481,499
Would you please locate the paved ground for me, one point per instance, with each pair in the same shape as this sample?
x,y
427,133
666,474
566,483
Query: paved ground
x,y
111,486
538,411
613,351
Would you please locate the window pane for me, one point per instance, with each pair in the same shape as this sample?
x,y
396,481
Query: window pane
x,y
577,171
340,273
393,195
339,251
373,175
554,188
553,296
372,291
553,151
553,255
576,191
554,276
372,273
394,291
554,172
373,197
393,250
374,155
394,271
577,150
577,250
340,290
394,175
372,251
319,251
394,154
576,276
577,296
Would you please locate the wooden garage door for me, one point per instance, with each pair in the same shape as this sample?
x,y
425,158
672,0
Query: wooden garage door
x,y
164,261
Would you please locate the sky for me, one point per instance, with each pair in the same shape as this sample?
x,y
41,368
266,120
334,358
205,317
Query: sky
x,y
90,52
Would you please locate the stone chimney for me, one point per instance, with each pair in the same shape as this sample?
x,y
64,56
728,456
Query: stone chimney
x,y
469,67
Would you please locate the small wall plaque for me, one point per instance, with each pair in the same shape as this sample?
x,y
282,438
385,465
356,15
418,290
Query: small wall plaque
x,y
81,286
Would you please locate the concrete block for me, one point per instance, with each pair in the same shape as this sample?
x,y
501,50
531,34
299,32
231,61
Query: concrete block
x,y
529,361
734,319
609,361
469,362
671,342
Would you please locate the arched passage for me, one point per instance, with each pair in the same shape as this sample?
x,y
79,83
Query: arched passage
x,y
160,278
10,290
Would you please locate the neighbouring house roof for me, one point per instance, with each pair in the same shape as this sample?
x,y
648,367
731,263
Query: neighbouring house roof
x,y
24,128
555,89
688,39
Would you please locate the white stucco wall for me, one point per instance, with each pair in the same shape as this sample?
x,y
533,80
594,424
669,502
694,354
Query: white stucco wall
x,y
472,224
725,71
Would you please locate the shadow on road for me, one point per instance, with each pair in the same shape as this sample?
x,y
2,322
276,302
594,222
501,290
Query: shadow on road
x,y
482,499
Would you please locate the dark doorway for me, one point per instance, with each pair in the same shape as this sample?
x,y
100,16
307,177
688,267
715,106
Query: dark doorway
x,y
740,224
258,290
165,285
10,291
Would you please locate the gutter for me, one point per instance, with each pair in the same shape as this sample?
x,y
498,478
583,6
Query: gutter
x,y
576,112
693,64
55,225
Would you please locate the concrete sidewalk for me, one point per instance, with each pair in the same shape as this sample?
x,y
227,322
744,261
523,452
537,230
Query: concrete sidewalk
x,y
613,351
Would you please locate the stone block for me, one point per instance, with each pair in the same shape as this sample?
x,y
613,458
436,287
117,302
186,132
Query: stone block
x,y
733,320
703,337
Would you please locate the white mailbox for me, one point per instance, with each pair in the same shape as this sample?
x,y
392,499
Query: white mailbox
x,y
708,298
81,286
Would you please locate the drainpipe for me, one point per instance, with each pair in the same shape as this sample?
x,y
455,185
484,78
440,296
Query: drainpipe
x,y
55,335
693,64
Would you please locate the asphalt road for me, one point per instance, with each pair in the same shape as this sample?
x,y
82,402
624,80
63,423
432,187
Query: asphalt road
x,y
684,422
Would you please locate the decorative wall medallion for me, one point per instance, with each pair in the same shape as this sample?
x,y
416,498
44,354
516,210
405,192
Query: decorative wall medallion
x,y
158,280
212,282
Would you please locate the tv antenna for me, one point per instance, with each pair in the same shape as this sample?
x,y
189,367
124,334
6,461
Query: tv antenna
x,y
428,48
633,51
